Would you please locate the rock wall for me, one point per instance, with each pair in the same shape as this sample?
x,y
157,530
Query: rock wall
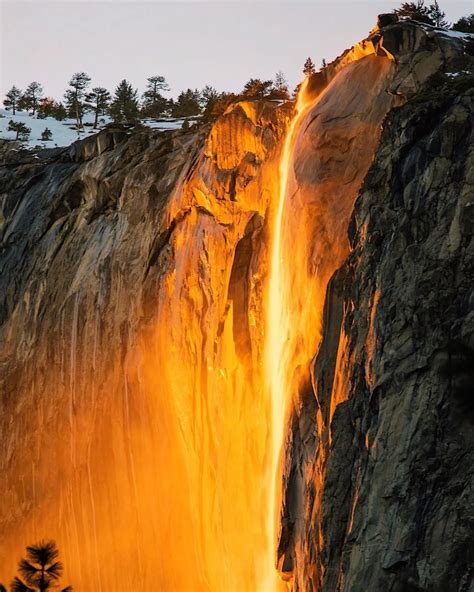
x,y
403,442
380,452
130,303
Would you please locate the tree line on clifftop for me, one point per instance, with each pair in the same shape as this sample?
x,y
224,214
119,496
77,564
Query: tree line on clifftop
x,y
125,105
431,14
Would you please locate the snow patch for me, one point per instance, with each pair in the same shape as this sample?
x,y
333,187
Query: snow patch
x,y
435,31
454,34
65,133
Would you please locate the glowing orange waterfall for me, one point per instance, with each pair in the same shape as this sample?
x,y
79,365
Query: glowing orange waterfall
x,y
326,155
280,352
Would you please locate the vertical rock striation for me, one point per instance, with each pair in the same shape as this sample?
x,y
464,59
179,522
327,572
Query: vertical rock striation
x,y
132,425
380,455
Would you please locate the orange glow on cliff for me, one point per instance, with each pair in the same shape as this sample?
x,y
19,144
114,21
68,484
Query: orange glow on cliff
x,y
320,175
279,353
166,448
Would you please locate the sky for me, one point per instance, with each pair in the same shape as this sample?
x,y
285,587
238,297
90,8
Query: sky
x,y
190,42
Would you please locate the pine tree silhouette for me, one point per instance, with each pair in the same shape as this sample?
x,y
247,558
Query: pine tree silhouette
x,y
40,571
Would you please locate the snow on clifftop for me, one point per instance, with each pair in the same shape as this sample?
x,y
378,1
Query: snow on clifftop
x,y
64,132
436,30
456,34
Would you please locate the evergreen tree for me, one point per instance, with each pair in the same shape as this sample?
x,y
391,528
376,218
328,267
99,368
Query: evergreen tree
x,y
75,96
417,12
48,107
437,16
209,98
11,99
464,24
40,570
309,67
188,104
59,111
258,89
22,104
323,64
124,106
45,107
32,96
46,134
21,130
154,103
219,107
98,101
280,87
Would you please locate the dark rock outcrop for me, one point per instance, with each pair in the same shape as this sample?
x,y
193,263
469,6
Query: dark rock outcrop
x,y
380,481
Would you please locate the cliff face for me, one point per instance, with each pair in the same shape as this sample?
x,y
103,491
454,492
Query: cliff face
x,y
379,458
401,457
130,303
135,413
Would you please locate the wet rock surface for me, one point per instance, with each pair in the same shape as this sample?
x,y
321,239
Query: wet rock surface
x,y
380,484
128,270
409,318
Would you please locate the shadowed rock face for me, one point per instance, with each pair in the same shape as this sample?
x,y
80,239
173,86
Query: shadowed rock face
x,y
133,411
397,472
379,460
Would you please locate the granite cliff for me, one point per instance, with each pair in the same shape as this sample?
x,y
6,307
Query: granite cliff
x,y
135,408
380,455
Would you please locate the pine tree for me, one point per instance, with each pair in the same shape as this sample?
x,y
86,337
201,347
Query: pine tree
x,y
323,64
22,104
48,107
154,103
208,99
124,106
75,96
258,89
417,12
188,104
437,16
40,570
465,24
32,96
46,134
45,107
21,130
309,67
217,107
280,87
11,99
98,101
59,111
